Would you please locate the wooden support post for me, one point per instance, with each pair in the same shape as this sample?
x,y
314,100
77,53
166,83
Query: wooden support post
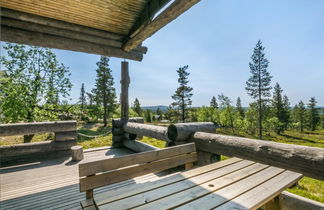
x,y
77,153
89,193
274,204
188,166
125,80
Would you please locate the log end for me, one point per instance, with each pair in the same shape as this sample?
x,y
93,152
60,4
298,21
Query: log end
x,y
172,132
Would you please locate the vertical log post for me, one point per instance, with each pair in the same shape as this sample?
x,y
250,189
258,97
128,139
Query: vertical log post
x,y
124,104
117,124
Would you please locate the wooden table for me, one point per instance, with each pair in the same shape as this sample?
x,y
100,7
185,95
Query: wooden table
x,y
229,184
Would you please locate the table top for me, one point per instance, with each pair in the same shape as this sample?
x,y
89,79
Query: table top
x,y
229,184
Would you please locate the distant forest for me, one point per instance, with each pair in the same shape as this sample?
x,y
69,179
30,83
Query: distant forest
x,y
35,86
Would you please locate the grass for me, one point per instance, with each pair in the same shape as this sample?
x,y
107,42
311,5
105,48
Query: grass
x,y
307,187
94,130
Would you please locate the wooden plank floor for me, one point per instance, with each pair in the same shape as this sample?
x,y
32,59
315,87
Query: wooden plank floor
x,y
53,184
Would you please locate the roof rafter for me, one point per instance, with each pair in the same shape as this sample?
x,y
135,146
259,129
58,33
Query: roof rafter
x,y
147,29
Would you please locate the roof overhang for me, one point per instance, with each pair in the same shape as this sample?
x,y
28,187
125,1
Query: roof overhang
x,y
111,27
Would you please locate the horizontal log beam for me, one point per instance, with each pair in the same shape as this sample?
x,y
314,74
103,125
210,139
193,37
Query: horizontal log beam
x,y
296,202
36,127
34,27
138,146
183,131
152,131
58,24
35,148
169,14
302,159
15,35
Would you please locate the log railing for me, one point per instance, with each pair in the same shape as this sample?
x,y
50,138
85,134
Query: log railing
x,y
65,137
302,159
64,130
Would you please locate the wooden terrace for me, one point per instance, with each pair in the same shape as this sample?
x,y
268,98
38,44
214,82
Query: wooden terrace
x,y
54,183
41,175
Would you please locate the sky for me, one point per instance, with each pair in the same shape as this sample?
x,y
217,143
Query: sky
x,y
216,39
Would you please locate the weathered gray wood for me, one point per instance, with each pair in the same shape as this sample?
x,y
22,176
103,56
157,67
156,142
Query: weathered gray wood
x,y
65,136
117,123
125,80
152,131
35,151
77,152
296,202
192,175
138,146
136,120
302,159
15,35
65,33
36,127
169,14
135,171
5,12
93,167
183,131
205,158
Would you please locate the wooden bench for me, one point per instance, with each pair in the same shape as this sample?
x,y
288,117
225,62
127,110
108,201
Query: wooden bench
x,y
99,173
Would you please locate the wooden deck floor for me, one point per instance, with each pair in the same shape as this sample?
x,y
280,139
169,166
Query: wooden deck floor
x,y
52,184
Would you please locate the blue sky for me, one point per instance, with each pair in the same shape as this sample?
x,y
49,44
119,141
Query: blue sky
x,y
216,39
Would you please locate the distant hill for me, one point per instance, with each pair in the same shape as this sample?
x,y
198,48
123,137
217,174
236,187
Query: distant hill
x,y
154,108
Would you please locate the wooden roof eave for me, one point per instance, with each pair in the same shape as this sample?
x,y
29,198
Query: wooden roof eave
x,y
25,28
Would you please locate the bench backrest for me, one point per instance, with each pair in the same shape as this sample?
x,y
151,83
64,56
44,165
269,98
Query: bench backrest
x,y
108,171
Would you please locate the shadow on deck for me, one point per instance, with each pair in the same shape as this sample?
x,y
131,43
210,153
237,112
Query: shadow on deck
x,y
53,184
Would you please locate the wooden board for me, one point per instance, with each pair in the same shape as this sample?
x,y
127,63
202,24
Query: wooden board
x,y
162,191
139,188
92,182
93,167
259,195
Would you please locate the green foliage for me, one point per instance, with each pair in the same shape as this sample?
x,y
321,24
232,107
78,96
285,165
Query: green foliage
x,y
208,114
82,98
213,103
183,94
137,107
312,114
239,107
148,116
280,109
258,85
104,92
34,77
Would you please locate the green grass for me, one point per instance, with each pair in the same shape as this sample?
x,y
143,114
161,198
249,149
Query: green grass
x,y
11,140
94,130
307,187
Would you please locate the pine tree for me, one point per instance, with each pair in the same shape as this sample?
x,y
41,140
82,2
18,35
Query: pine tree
x,y
183,93
313,115
104,90
286,112
239,107
137,107
148,116
82,99
258,85
301,112
279,107
213,103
